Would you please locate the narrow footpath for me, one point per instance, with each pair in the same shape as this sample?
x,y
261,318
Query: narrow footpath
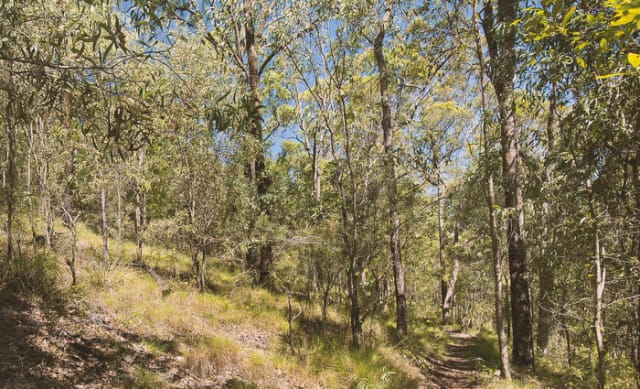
x,y
456,369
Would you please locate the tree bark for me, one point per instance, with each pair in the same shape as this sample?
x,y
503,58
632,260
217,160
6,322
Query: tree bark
x,y
601,275
105,224
68,219
442,249
390,178
501,44
547,272
503,343
635,352
70,223
202,273
32,219
43,182
257,169
10,179
349,234
141,209
193,239
450,287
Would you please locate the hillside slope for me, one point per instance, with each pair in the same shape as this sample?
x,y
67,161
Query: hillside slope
x,y
122,328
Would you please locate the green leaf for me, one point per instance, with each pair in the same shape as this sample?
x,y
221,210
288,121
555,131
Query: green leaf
x,y
626,19
568,16
605,76
581,62
634,60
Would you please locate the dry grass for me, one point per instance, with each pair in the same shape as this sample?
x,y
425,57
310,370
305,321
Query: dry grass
x,y
211,356
237,331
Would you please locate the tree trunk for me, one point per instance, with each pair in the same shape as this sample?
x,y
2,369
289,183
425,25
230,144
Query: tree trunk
x,y
547,272
349,236
501,44
390,178
141,209
193,239
451,285
257,169
202,273
325,302
442,252
43,181
503,343
565,327
118,206
72,262
601,275
70,223
105,225
32,219
317,172
10,179
635,331
356,324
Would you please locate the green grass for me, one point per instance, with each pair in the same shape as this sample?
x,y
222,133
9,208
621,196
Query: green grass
x,y
208,356
241,328
144,379
486,348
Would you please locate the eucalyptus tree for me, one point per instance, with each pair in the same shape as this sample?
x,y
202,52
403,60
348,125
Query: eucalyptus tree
x,y
595,90
390,169
250,35
409,68
500,34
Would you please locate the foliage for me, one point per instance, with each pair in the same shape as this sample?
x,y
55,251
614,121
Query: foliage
x,y
193,132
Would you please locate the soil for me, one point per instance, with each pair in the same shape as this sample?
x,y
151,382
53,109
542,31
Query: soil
x,y
455,369
73,344
68,346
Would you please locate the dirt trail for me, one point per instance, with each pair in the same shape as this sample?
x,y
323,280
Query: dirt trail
x,y
456,369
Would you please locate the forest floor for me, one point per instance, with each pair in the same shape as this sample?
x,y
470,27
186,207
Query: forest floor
x,y
77,343
70,347
457,368
124,329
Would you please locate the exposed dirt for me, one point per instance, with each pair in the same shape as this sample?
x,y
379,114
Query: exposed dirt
x,y
456,369
70,347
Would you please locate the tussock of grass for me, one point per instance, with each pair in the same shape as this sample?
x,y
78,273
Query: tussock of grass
x,y
144,379
241,330
486,348
156,347
212,355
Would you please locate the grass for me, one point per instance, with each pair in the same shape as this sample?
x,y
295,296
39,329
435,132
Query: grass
x,y
240,330
210,356
144,379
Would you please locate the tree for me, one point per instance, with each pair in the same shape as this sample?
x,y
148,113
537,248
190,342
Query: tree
x,y
390,174
251,35
496,254
500,34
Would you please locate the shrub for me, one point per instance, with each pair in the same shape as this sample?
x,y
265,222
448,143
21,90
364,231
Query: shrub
x,y
38,274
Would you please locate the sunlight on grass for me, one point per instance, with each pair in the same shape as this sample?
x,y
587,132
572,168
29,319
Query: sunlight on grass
x,y
211,355
243,329
145,379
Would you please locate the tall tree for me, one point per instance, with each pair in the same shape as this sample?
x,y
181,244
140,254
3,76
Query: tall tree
x,y
505,365
500,34
390,173
252,34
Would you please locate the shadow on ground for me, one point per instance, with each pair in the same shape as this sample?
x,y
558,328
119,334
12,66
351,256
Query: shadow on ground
x,y
45,348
